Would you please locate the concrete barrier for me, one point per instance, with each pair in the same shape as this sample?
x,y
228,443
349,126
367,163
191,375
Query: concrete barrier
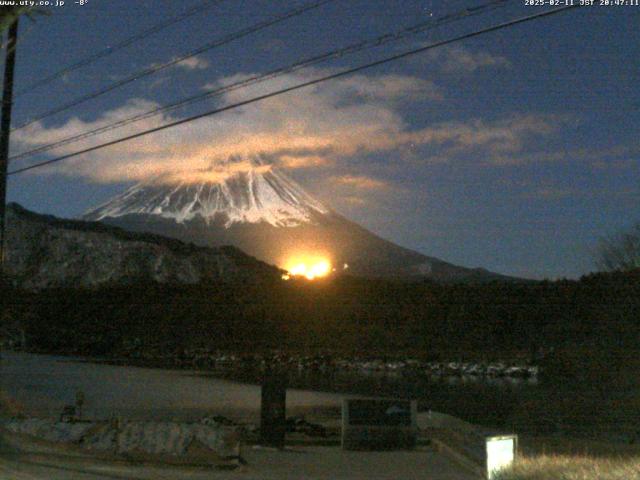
x,y
482,451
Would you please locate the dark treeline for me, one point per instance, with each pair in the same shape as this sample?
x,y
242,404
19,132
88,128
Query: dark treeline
x,y
347,316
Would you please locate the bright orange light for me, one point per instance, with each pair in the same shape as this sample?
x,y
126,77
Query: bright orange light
x,y
310,268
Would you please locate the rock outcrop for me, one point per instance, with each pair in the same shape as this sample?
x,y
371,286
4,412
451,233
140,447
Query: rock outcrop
x,y
44,251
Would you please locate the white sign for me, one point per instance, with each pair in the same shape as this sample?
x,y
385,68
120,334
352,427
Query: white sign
x,y
501,452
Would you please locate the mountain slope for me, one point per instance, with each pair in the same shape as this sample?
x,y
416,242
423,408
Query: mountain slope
x,y
269,216
43,251
248,197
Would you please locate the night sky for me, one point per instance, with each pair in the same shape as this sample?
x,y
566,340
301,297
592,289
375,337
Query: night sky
x,y
514,151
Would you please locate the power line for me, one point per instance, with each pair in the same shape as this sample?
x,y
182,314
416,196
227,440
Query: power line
x,y
154,69
336,53
302,85
119,46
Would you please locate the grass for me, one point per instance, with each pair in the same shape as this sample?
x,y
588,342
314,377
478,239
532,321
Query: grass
x,y
535,446
561,458
572,467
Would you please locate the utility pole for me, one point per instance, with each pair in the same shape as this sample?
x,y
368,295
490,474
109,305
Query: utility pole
x,y
5,131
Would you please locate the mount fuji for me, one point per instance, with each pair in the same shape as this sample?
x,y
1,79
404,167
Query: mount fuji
x,y
268,215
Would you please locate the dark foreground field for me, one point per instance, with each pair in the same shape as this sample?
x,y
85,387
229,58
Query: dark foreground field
x,y
584,335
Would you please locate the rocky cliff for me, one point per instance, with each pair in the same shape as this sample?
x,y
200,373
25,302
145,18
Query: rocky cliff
x,y
43,251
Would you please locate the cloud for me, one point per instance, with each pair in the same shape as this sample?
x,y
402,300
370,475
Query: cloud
x,y
361,182
308,128
461,60
608,158
318,127
193,63
501,136
354,200
303,161
158,82
341,92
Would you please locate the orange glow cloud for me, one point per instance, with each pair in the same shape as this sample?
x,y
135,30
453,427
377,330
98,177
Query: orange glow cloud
x,y
361,181
311,128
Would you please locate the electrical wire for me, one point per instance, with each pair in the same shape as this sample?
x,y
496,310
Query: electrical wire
x,y
119,46
299,86
157,68
336,53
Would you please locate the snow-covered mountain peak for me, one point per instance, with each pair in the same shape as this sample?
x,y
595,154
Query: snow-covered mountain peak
x,y
254,195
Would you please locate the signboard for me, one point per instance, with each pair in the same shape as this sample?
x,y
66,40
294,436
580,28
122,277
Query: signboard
x,y
273,411
378,424
501,453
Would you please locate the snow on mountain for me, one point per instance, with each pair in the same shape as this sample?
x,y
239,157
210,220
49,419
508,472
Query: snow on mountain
x,y
257,195
261,211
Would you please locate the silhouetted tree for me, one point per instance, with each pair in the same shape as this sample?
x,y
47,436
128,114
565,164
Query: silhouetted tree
x,y
620,252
